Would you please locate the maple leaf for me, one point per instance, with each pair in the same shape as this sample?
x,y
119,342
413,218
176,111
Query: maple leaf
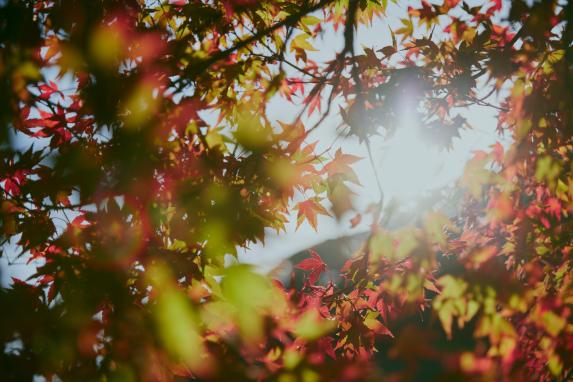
x,y
308,210
314,264
326,346
314,104
46,90
451,3
339,195
387,51
554,208
377,327
80,221
341,165
497,5
11,187
18,281
296,85
52,291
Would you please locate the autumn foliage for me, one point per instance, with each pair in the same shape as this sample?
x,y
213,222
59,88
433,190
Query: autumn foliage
x,y
150,156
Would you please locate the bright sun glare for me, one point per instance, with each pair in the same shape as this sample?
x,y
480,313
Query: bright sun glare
x,y
409,165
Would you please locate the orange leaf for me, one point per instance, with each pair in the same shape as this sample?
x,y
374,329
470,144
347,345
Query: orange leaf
x,y
308,210
341,165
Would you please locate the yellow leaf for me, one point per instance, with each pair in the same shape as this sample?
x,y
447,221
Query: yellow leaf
x,y
300,42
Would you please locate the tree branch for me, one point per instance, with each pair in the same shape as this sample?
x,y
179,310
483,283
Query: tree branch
x,y
197,68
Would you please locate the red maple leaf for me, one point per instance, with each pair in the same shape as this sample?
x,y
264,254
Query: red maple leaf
x,y
314,102
46,90
554,208
327,347
11,187
314,264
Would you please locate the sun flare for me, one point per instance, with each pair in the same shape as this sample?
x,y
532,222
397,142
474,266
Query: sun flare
x,y
409,165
